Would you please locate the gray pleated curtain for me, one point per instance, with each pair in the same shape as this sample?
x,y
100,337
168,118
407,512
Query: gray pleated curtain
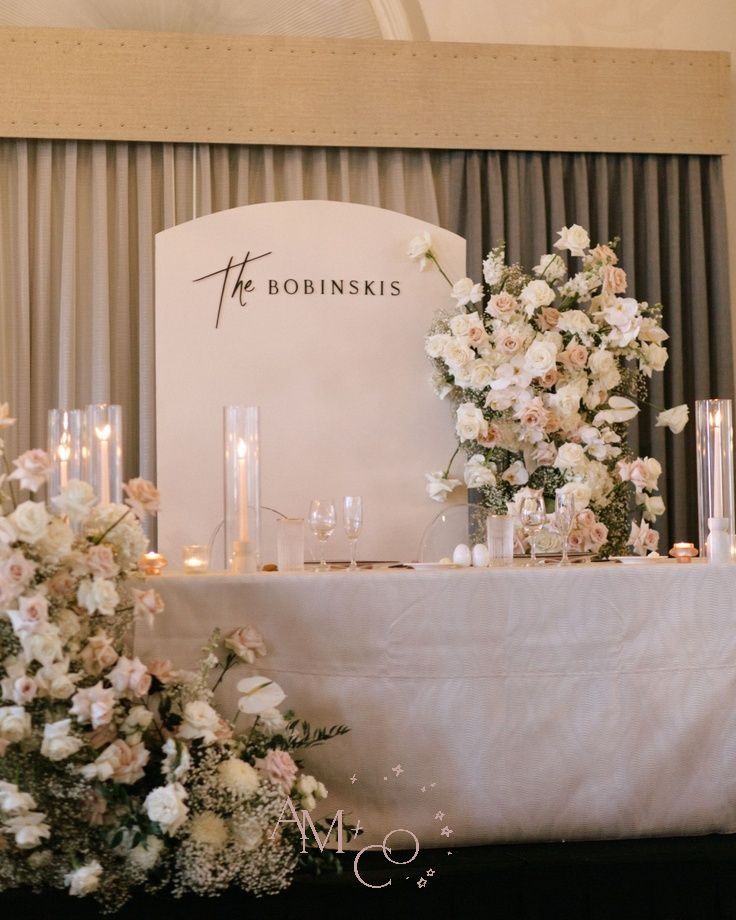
x,y
77,221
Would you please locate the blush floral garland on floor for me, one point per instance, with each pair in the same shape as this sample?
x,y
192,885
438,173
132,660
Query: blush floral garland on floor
x,y
545,371
116,775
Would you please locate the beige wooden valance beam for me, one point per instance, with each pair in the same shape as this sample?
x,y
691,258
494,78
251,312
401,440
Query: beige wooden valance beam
x,y
68,83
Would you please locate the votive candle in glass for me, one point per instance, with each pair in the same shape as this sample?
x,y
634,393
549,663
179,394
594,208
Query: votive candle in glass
x,y
196,559
64,448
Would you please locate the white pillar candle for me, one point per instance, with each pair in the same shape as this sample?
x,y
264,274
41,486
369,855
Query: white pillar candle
x,y
242,492
103,434
717,467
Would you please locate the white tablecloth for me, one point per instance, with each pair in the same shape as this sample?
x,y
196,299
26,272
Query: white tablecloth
x,y
597,701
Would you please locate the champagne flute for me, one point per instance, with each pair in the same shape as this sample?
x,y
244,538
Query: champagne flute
x,y
322,521
352,516
564,520
533,519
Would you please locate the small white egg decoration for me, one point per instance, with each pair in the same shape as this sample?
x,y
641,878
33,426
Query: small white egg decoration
x,y
461,555
481,556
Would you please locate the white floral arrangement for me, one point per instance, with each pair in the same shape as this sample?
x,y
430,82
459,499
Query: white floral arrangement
x,y
545,370
116,775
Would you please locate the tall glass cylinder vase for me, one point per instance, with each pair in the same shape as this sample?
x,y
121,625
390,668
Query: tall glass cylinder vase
x,y
65,442
242,489
714,444
104,443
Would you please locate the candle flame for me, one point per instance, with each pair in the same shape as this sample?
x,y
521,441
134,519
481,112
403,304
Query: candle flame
x,y
63,452
242,449
103,433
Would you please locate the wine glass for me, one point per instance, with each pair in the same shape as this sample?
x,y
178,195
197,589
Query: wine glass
x,y
533,519
322,520
352,517
564,519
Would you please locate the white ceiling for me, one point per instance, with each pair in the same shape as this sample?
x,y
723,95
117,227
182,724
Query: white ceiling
x,y
329,18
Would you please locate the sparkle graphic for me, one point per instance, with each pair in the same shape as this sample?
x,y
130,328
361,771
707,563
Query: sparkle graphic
x,y
398,770
422,883
449,852
446,831
430,872
353,778
423,789
440,816
432,785
358,829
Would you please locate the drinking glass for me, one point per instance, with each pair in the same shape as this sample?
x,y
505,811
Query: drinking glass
x,y
533,519
564,520
322,520
352,516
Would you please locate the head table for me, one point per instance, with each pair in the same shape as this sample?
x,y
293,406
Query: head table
x,y
594,701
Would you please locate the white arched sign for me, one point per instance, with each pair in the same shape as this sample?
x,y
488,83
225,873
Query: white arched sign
x,y
312,311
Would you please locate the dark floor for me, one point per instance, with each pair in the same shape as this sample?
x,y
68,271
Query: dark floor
x,y
667,879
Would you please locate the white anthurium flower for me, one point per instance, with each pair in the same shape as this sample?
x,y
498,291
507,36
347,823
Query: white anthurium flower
x,y
620,409
259,693
419,250
575,239
465,291
675,419
439,486
516,474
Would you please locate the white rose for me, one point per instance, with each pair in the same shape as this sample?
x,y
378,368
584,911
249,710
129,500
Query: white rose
x,y
465,291
435,345
478,474
15,724
570,456
85,880
56,543
481,374
540,357
603,368
57,743
98,595
576,322
551,266
55,682
439,486
653,358
272,721
76,500
32,469
574,238
419,249
200,720
580,492
535,295
674,419
470,424
29,829
165,805
457,354
621,312
135,724
30,520
44,646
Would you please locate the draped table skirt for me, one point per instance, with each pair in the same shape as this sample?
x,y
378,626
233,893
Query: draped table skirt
x,y
590,702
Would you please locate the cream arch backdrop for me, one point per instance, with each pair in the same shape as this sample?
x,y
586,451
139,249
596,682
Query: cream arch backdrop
x,y
323,329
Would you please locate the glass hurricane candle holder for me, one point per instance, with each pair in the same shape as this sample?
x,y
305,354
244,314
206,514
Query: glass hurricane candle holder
x,y
65,443
714,446
242,489
196,558
104,437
